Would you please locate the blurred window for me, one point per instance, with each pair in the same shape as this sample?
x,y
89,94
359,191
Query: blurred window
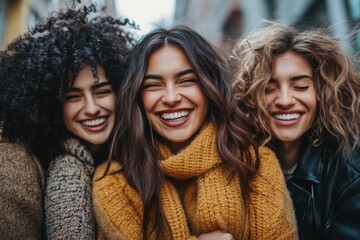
x,y
33,18
353,7
3,5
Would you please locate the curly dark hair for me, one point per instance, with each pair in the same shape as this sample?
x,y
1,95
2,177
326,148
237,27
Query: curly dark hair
x,y
38,67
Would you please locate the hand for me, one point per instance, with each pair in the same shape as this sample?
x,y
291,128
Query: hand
x,y
216,235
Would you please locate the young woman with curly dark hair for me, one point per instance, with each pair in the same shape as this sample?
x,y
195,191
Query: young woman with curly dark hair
x,y
185,164
57,86
304,93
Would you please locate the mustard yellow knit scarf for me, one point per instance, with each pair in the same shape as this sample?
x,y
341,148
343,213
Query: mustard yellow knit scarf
x,y
197,197
210,202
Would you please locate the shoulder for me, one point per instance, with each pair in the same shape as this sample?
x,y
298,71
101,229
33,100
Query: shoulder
x,y
75,161
113,175
268,160
269,171
17,162
271,200
65,160
111,184
67,171
347,171
354,161
22,183
267,154
116,202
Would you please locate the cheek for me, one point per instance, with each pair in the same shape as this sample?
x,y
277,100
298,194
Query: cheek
x,y
196,96
109,102
69,110
266,101
203,103
149,100
313,107
310,99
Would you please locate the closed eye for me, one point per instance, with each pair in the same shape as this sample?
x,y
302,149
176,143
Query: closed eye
x,y
104,92
188,82
72,97
151,84
301,88
271,86
269,90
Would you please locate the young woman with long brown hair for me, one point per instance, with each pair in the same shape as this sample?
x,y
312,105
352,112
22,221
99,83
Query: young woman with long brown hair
x,y
184,163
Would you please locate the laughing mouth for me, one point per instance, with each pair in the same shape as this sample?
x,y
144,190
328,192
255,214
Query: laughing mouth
x,y
287,117
175,116
94,122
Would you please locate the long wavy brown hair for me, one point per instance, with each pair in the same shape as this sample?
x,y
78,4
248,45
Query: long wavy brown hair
x,y
133,146
336,80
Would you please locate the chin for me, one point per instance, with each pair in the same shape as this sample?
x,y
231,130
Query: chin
x,y
287,139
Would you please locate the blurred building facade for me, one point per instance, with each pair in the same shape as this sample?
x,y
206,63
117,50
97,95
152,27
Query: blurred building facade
x,y
223,21
17,16
107,6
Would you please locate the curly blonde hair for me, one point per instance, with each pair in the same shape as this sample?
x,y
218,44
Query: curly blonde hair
x,y
336,80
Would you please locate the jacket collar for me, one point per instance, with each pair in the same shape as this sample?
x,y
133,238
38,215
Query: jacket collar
x,y
309,165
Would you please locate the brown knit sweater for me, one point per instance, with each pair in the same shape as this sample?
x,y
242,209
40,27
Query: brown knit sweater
x,y
22,182
207,202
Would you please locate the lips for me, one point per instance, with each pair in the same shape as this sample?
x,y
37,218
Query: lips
x,y
287,116
174,116
96,124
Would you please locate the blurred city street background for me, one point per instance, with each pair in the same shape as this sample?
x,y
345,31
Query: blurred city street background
x,y
221,21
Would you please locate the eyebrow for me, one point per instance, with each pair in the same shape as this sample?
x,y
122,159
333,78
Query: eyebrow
x,y
294,78
298,77
95,86
181,73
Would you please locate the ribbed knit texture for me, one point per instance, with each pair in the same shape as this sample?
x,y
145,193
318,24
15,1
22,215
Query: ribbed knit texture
x,y
68,203
208,202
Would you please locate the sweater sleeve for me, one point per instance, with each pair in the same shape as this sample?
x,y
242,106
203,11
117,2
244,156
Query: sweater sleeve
x,y
118,208
272,211
21,184
68,204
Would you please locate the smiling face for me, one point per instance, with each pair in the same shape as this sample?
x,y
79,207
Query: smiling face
x,y
88,109
176,105
290,98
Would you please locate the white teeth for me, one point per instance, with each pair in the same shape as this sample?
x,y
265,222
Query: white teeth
x,y
95,122
174,116
288,117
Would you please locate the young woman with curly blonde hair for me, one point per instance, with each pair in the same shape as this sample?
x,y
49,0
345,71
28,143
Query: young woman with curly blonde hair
x,y
304,93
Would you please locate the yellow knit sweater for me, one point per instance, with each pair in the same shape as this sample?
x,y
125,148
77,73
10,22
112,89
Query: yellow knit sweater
x,y
201,200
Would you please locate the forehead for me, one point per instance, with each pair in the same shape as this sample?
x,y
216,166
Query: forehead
x,y
87,77
167,59
291,63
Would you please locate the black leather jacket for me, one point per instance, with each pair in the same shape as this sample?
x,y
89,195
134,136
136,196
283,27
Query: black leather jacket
x,y
326,195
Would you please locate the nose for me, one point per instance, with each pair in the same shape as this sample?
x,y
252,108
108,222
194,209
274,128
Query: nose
x,y
171,96
284,99
91,106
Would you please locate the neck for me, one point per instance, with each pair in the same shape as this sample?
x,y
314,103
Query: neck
x,y
94,149
288,153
